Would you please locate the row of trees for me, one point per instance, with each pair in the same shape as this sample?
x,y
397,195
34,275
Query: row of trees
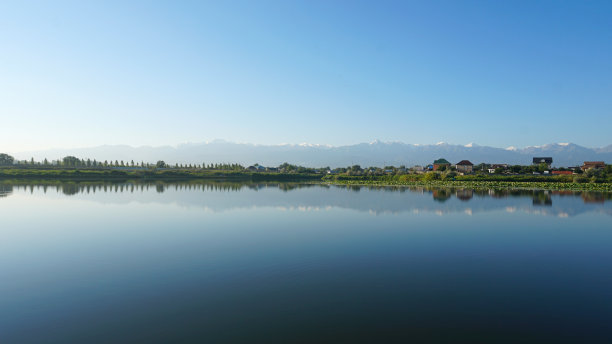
x,y
448,172
289,168
203,166
71,161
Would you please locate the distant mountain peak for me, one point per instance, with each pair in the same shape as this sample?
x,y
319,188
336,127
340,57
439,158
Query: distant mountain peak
x,y
218,141
375,153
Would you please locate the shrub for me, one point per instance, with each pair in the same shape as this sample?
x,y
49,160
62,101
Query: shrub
x,y
580,179
429,176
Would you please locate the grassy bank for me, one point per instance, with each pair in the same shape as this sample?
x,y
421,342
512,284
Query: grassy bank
x,y
530,182
146,174
474,182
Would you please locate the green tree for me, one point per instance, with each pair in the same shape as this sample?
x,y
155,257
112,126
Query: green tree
x,y
542,167
429,176
160,164
449,175
71,161
6,159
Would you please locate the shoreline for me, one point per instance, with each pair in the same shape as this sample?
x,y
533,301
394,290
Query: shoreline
x,y
491,185
152,175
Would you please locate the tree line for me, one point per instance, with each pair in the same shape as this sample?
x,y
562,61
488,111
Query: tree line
x,y
74,162
444,172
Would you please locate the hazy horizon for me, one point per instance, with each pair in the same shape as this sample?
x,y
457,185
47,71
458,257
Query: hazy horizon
x,y
376,153
309,144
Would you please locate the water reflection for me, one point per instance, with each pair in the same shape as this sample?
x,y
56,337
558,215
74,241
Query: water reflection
x,y
156,262
6,190
73,188
312,197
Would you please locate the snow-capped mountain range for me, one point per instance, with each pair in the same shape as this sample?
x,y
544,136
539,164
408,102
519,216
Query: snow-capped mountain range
x,y
375,153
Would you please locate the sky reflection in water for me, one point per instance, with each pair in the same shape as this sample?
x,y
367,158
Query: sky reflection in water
x,y
250,263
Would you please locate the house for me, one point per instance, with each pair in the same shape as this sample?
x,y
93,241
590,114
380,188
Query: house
x,y
465,194
546,160
588,165
437,165
464,166
497,167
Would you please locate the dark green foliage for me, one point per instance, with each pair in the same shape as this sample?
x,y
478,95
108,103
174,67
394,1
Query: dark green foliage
x,y
71,161
288,168
6,160
442,161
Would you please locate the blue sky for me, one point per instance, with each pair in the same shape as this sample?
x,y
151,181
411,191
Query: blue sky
x,y
84,73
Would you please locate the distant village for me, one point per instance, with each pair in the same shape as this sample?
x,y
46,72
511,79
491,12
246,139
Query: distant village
x,y
538,166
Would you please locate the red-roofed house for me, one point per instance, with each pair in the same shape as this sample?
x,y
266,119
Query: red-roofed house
x,y
593,165
562,172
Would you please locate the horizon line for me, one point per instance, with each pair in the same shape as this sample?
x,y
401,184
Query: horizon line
x,y
303,144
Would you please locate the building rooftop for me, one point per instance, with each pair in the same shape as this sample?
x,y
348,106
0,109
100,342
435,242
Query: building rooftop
x,y
539,160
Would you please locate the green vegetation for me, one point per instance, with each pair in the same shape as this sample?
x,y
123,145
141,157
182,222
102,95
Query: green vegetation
x,y
6,160
450,179
71,168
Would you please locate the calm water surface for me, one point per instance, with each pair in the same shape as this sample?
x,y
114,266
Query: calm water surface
x,y
289,263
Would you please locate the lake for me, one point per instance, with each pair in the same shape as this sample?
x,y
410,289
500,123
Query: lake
x,y
299,263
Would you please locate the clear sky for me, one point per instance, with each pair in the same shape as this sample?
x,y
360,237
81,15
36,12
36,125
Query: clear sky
x,y
499,73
